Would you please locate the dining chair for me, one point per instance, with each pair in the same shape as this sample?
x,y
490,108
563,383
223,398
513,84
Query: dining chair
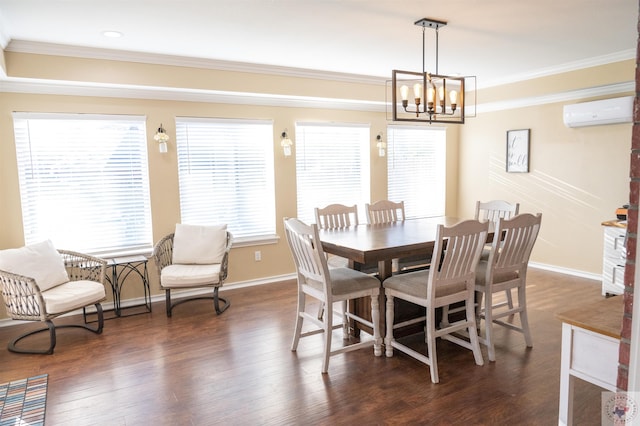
x,y
41,283
386,211
492,211
506,269
328,285
336,216
495,209
458,247
194,256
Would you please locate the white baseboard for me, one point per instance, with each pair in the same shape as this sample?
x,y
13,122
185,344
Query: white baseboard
x,y
6,322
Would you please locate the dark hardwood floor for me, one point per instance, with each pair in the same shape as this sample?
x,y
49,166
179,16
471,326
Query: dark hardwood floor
x,y
197,368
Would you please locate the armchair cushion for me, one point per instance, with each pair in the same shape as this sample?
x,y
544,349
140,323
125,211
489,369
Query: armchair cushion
x,y
198,244
173,276
72,295
40,261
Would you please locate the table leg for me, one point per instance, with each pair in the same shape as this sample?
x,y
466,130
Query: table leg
x,y
565,415
384,272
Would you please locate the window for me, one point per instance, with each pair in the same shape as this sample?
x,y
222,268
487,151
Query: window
x,y
84,182
332,166
225,169
416,169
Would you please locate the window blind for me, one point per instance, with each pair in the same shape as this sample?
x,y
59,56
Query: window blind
x,y
332,166
84,181
226,174
416,160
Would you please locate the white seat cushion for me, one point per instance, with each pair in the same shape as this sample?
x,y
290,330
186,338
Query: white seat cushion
x,y
174,276
72,295
200,245
40,261
415,284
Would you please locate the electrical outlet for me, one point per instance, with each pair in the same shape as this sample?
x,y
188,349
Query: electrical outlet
x,y
258,256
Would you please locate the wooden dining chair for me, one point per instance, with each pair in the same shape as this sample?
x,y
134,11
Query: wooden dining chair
x,y
328,285
495,209
492,211
506,269
336,216
459,248
385,211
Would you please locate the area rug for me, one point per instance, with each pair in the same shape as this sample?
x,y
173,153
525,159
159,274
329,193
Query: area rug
x,y
22,402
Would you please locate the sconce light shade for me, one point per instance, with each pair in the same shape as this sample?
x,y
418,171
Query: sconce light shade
x,y
381,145
286,143
161,137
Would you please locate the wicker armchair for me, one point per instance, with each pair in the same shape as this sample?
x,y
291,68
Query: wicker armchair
x,y
25,300
174,276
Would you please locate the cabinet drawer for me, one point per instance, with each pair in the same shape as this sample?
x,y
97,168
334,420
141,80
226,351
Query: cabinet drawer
x,y
614,242
613,272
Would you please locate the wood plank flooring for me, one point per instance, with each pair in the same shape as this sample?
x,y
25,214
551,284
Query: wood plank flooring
x,y
197,368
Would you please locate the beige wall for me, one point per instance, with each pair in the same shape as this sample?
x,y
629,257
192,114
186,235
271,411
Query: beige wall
x,y
578,176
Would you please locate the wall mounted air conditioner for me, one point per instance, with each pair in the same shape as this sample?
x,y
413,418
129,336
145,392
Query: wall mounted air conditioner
x,y
596,113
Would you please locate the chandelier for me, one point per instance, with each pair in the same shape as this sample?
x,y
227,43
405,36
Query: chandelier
x,y
427,97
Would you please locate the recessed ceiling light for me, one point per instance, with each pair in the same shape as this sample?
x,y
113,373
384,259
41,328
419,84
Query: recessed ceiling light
x,y
112,34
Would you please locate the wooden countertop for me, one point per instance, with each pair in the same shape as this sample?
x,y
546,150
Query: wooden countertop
x,y
616,223
603,317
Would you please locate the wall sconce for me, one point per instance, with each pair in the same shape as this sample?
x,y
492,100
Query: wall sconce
x,y
286,143
161,137
381,145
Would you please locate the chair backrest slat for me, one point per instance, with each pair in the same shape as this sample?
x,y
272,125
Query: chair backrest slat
x,y
519,235
385,211
459,247
496,209
308,255
336,216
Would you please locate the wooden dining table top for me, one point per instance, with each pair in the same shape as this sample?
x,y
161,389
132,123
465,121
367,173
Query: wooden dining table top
x,y
366,243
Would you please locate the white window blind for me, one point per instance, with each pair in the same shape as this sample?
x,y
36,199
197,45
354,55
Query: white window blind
x,y
226,175
84,181
416,159
332,166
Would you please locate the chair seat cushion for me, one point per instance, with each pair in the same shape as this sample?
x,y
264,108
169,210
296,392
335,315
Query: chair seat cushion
x,y
498,277
347,280
40,261
415,284
174,276
72,295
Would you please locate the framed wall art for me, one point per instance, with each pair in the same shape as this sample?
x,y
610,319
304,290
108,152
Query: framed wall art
x,y
518,151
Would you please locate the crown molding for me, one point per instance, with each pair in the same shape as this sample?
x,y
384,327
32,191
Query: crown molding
x,y
38,48
53,87
572,95
563,68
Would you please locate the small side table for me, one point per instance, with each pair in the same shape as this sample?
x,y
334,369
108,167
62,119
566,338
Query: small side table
x,y
121,268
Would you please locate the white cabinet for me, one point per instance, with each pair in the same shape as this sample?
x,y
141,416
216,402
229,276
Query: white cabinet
x,y
614,258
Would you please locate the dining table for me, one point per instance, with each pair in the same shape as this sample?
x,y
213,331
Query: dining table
x,y
379,244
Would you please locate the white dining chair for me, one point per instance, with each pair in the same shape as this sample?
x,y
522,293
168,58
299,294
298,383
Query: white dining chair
x,y
504,270
458,247
328,285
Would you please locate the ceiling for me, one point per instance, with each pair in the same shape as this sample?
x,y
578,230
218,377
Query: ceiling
x,y
496,40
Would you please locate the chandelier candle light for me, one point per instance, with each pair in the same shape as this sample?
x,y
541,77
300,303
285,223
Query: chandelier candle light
x,y
436,98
